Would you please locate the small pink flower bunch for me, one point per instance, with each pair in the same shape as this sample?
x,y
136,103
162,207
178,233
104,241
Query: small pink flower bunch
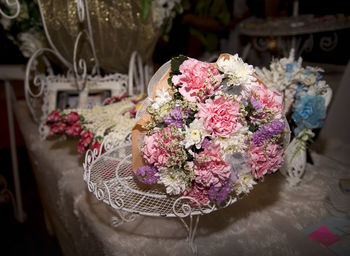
x,y
70,124
214,132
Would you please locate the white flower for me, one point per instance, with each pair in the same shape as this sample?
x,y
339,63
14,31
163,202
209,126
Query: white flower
x,y
235,70
30,42
195,134
310,79
235,142
162,96
244,184
174,180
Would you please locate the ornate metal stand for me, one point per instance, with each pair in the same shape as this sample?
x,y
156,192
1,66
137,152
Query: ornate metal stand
x,y
110,178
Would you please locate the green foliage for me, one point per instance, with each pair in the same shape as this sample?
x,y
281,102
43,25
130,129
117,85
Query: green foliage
x,y
175,67
145,9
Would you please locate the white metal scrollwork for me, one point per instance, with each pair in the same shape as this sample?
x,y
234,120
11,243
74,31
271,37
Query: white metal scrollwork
x,y
329,43
12,5
108,172
36,83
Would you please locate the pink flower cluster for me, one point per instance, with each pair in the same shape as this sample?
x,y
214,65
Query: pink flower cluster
x,y
210,169
161,147
221,116
70,125
265,160
267,99
198,80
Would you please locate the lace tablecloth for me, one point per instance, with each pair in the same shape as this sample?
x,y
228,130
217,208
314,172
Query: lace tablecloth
x,y
268,221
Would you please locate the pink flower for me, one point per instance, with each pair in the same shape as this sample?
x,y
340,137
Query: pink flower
x,y
162,148
86,138
57,128
81,148
198,193
221,116
197,80
74,130
210,168
268,99
71,118
54,117
96,145
265,160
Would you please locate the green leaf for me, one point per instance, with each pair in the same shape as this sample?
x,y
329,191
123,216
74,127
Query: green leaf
x,y
176,62
145,9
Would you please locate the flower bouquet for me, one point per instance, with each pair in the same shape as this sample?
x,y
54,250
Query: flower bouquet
x,y
208,130
112,122
306,98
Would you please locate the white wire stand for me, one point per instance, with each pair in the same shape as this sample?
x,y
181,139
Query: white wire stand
x,y
38,81
110,178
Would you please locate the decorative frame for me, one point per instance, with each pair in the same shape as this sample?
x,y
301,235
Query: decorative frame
x,y
114,84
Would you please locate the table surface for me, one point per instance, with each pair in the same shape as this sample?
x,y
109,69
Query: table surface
x,y
268,221
291,26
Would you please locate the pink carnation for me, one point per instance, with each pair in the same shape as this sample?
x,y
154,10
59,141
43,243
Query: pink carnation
x,y
198,193
57,128
265,160
210,168
197,80
54,117
86,138
161,148
221,116
268,98
81,148
74,130
71,118
96,145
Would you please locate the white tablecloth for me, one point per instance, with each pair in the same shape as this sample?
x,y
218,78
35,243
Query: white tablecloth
x,y
266,222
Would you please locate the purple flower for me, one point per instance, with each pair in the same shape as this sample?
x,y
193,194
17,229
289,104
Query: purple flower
x,y
146,174
256,104
220,194
268,131
176,117
205,143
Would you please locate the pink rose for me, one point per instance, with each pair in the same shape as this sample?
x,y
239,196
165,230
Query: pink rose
x,y
162,148
198,193
268,99
198,80
57,128
74,130
221,116
86,138
54,117
81,148
210,168
265,160
71,118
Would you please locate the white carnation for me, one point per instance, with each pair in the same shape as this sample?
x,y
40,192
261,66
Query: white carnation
x,y
235,142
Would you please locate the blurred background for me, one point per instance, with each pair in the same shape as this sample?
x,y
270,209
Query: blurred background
x,y
258,30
